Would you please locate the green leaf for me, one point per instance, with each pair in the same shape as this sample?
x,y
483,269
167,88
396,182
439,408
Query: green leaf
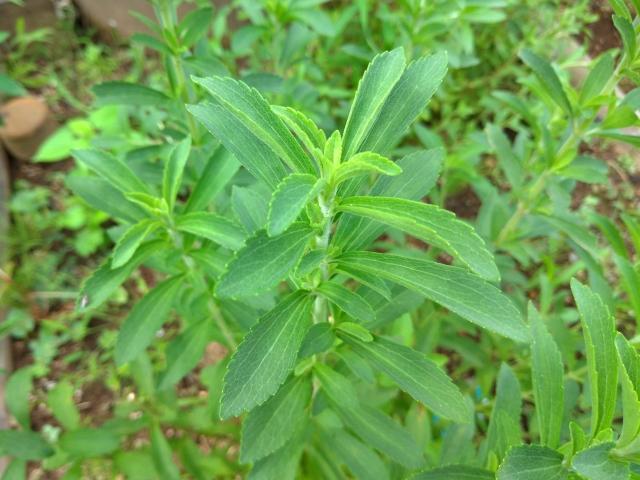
x,y
263,262
23,445
318,20
363,462
337,387
154,206
504,426
547,377
382,433
598,77
619,135
266,356
628,34
184,353
415,374
130,241
452,287
532,462
431,224
289,199
207,64
252,110
251,206
268,427
124,93
10,87
282,464
575,229
457,472
105,280
630,279
620,8
307,132
213,227
376,284
350,302
18,390
134,465
586,169
483,15
507,159
364,163
578,437
60,402
162,455
151,42
355,330
15,470
548,79
319,338
310,262
599,338
112,169
143,374
58,145
332,154
419,173
629,371
407,100
219,170
101,195
374,88
89,442
633,227
173,169
145,319
359,367
249,150
194,25
595,463
620,116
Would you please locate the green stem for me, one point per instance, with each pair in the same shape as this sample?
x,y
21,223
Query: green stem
x,y
167,16
320,310
222,325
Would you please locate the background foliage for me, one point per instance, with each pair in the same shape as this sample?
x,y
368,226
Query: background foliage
x,y
280,288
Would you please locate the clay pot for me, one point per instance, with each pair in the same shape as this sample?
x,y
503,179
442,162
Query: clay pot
x,y
36,13
27,122
112,19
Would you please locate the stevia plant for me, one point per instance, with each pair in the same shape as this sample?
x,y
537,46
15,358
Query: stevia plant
x,y
294,370
300,369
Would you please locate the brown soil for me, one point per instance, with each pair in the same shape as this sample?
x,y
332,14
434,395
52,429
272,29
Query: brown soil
x,y
465,204
603,35
623,190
